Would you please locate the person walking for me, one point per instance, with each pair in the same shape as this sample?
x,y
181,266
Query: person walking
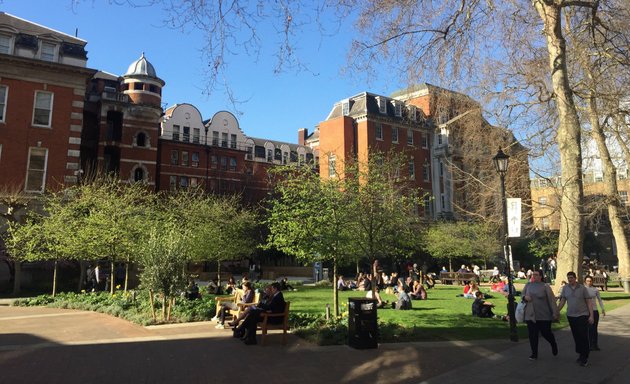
x,y
579,314
592,328
541,310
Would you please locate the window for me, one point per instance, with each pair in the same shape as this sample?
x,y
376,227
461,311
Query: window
x,y
259,151
409,136
47,51
223,163
426,172
412,113
309,157
138,174
277,154
6,44
398,109
185,158
427,205
412,170
441,169
332,164
382,105
193,182
443,201
153,88
43,108
248,154
214,162
172,182
174,157
293,156
285,158
183,181
542,200
379,131
215,138
36,169
345,108
232,163
394,135
137,86
141,140
3,102
623,196
301,159
545,223
439,138
233,141
425,141
224,139
195,159
176,132
186,135
269,155
196,135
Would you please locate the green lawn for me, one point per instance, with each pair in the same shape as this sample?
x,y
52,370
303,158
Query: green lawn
x,y
443,316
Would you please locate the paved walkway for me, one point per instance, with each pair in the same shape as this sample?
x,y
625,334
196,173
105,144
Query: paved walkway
x,y
46,345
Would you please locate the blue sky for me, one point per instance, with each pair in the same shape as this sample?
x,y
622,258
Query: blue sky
x,y
275,106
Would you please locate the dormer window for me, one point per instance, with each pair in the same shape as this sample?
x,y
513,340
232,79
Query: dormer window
x,y
382,105
398,109
412,113
6,44
48,51
345,107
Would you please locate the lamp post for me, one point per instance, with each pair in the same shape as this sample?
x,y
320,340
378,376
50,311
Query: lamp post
x,y
501,161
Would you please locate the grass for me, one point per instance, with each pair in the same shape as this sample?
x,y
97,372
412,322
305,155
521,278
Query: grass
x,y
443,316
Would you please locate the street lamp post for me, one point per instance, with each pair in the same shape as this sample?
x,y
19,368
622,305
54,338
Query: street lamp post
x,y
500,161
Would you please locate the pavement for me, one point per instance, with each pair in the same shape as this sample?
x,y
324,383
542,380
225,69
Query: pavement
x,y
49,345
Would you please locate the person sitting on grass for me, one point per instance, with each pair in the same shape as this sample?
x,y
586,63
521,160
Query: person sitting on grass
x,y
418,293
341,284
285,286
380,303
471,289
483,308
404,301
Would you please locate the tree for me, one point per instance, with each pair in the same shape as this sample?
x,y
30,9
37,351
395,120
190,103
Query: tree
x,y
310,219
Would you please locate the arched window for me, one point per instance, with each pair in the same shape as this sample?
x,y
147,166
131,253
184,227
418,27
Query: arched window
x,y
138,174
141,139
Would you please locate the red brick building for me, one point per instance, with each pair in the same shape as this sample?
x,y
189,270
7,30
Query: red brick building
x,y
43,79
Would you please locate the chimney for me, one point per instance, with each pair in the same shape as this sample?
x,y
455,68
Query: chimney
x,y
302,135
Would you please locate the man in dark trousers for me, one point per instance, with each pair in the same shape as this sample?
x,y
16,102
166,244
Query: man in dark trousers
x,y
579,314
275,304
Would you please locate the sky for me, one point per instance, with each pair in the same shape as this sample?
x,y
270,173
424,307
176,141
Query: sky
x,y
275,105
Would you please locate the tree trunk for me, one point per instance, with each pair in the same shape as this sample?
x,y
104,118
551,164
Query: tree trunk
x,y
624,258
219,273
112,272
569,140
610,189
82,275
152,301
164,307
54,284
17,277
335,289
127,275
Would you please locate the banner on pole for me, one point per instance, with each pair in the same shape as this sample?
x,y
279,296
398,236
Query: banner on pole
x,y
514,217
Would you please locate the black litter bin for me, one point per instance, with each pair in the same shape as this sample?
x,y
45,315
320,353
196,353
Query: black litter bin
x,y
362,325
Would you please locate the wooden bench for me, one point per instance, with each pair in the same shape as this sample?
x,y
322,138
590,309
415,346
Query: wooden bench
x,y
264,325
456,277
241,306
235,298
600,281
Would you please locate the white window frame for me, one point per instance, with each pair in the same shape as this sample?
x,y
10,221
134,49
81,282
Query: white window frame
x,y
409,136
425,141
412,113
544,222
3,105
379,131
398,109
186,134
175,136
623,197
10,43
332,165
50,110
196,135
412,169
426,171
44,171
233,139
172,182
394,134
542,200
345,107
382,104
55,50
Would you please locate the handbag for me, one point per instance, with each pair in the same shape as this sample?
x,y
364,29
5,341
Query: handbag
x,y
519,314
